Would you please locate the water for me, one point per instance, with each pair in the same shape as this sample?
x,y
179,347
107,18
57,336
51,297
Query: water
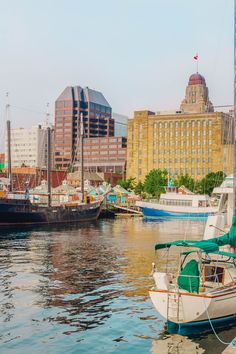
x,y
85,290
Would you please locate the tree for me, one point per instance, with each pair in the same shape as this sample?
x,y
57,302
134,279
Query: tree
x,y
155,182
185,180
139,188
127,184
70,169
210,181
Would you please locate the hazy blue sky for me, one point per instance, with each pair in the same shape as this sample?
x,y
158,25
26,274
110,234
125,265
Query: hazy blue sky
x,y
139,53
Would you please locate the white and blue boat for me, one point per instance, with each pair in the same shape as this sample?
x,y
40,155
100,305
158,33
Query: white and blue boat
x,y
179,203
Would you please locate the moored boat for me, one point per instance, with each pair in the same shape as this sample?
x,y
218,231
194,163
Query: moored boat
x,y
178,203
202,293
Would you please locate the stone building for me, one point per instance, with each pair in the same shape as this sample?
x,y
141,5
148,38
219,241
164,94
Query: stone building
x,y
194,140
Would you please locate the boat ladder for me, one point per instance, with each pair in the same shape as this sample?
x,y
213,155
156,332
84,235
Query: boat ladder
x,y
174,306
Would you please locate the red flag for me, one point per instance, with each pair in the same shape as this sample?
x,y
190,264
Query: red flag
x,y
195,57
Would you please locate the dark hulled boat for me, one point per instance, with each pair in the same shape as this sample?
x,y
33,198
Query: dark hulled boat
x,y
15,211
23,212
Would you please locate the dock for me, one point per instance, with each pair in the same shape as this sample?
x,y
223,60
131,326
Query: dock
x,y
230,349
115,210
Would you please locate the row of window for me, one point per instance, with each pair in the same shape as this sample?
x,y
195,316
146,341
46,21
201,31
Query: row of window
x,y
181,160
181,142
182,133
183,124
182,171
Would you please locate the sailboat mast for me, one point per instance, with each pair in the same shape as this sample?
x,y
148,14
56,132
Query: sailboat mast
x,y
49,164
234,122
9,152
82,155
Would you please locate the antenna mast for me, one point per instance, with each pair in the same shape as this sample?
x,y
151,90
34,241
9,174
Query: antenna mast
x,y
234,122
82,155
49,164
9,169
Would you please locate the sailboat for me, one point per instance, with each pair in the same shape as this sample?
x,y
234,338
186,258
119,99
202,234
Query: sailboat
x,y
19,212
200,296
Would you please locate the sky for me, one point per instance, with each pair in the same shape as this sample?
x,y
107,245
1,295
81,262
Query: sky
x,y
138,53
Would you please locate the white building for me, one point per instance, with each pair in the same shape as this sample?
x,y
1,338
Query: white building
x,y
29,146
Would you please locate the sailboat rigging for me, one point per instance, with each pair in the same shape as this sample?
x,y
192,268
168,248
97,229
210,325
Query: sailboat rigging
x,y
201,295
22,211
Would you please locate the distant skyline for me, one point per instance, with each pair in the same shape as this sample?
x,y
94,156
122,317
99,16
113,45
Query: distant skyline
x,y
138,53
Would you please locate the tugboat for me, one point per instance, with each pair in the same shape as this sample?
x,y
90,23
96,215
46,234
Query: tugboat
x,y
15,212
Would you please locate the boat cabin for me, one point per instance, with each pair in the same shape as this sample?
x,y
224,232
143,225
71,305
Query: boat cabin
x,y
182,197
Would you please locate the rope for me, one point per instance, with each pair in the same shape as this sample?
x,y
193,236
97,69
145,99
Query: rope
x,y
212,327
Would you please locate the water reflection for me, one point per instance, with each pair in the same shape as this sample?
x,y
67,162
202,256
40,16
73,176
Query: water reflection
x,y
88,284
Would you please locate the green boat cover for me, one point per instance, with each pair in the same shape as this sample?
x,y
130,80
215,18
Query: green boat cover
x,y
208,246
189,277
229,238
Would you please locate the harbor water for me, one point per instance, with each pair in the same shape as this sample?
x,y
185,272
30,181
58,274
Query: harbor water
x,y
84,289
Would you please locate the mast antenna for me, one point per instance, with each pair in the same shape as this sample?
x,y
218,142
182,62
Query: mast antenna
x,y
47,114
234,122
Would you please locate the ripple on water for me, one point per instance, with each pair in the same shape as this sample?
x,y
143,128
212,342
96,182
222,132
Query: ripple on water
x,y
85,289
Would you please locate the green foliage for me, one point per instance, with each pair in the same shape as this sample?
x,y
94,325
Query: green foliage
x,y
210,181
186,181
155,182
127,184
139,188
70,169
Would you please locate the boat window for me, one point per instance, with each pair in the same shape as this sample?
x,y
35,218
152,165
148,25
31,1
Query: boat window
x,y
213,274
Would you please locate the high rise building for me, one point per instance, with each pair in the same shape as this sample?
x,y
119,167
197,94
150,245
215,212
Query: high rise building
x,y
194,140
97,118
29,146
121,122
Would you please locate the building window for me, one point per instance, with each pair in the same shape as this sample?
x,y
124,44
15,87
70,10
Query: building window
x,y
165,124
171,125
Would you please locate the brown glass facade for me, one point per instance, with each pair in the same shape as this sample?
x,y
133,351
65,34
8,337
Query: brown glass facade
x,y
105,154
97,119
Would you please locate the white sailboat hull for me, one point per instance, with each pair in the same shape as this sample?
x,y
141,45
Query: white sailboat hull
x,y
186,308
